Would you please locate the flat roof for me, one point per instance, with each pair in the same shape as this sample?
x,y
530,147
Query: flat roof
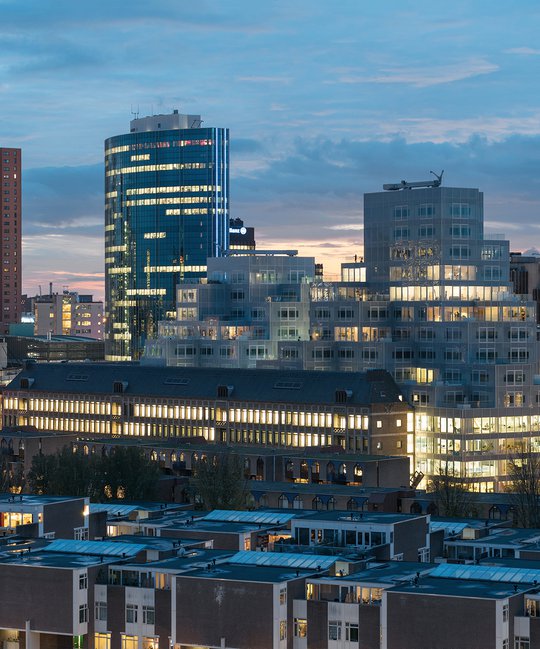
x,y
193,558
510,536
30,499
382,573
239,572
43,558
458,588
343,516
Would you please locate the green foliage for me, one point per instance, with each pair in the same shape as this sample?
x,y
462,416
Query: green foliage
x,y
125,473
220,484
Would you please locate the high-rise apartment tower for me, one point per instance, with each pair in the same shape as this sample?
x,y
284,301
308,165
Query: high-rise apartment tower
x,y
166,212
11,240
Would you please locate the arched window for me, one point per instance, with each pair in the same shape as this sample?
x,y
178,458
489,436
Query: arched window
x,y
494,513
352,504
283,502
153,456
85,449
304,470
330,472
247,467
260,468
331,504
432,509
416,508
298,502
315,472
289,470
317,503
358,474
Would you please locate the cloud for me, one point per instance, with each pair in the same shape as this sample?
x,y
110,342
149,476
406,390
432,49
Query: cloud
x,y
346,226
265,79
525,51
420,77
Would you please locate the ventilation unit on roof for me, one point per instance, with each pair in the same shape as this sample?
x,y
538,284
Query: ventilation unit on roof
x,y
342,396
224,391
119,386
26,383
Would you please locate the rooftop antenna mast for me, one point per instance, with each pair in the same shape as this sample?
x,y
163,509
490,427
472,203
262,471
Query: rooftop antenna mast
x,y
438,176
135,113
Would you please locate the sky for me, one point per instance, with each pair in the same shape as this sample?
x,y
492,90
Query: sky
x,y
324,101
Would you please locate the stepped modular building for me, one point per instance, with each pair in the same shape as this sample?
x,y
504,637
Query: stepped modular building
x,y
432,304
166,212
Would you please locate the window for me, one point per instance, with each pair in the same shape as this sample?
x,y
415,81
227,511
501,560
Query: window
x,y
283,629
460,252
148,615
334,630
282,595
401,233
486,355
345,314
83,613
460,231
258,314
453,355
426,231
486,333
300,627
288,314
83,581
460,210
401,212
518,354
505,612
351,632
101,611
322,314
131,613
425,211
480,376
520,642
514,377
237,295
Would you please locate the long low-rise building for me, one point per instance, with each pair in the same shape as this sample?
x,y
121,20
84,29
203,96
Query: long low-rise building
x,y
360,412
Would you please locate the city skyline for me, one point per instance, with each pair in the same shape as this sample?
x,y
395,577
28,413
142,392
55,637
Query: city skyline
x,y
322,106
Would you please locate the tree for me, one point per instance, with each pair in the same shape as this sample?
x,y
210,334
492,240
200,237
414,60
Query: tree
x,y
11,473
128,473
450,496
220,484
524,471
42,474
125,473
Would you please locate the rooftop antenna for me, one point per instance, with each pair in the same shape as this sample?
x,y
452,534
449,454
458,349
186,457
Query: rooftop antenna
x,y
438,176
135,113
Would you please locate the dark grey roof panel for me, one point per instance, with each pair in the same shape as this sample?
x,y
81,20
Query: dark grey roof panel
x,y
364,388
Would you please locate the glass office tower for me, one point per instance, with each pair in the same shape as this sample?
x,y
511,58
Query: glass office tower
x,y
166,212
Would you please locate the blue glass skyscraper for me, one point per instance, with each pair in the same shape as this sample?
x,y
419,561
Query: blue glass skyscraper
x,y
166,211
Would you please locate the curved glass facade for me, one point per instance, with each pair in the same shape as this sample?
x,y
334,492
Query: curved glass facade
x,y
166,212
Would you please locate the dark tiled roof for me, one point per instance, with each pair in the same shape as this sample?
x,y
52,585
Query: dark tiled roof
x,y
279,386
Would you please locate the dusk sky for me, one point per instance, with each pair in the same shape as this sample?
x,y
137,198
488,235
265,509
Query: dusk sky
x,y
324,101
